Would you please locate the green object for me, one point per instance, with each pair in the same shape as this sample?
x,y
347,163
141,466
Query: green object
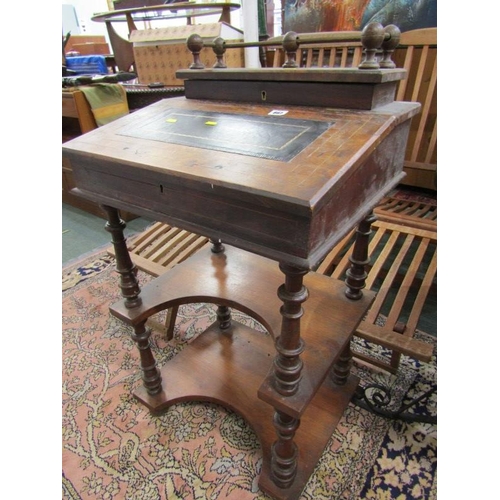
x,y
108,101
262,19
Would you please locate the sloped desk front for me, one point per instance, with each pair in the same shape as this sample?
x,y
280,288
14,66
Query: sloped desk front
x,y
275,188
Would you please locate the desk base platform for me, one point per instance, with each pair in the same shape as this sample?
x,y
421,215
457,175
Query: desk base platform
x,y
235,366
227,367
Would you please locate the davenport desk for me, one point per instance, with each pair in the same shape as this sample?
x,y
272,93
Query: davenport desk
x,y
274,184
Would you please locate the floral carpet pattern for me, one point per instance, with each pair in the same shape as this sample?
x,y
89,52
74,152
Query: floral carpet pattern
x,y
113,448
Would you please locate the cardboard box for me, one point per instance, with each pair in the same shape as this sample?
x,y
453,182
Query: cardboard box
x,y
83,39
92,49
160,52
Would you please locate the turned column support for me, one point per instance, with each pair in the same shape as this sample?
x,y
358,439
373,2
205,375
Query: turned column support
x,y
150,374
223,312
284,451
356,275
342,367
289,345
355,280
127,270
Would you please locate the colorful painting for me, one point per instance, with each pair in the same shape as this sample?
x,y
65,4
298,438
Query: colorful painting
x,y
310,16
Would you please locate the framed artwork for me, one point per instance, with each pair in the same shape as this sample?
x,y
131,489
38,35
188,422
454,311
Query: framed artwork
x,y
311,16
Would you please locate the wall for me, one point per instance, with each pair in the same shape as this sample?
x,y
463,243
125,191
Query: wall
x,y
85,9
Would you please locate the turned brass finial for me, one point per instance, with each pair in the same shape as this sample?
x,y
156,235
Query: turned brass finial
x,y
389,45
195,45
372,37
290,46
219,47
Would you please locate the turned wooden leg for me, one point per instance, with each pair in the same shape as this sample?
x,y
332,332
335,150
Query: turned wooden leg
x,y
170,321
284,451
287,373
356,274
223,312
224,317
289,345
342,367
355,281
124,266
150,373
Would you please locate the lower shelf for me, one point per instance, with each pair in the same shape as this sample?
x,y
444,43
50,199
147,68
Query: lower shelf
x,y
249,283
228,368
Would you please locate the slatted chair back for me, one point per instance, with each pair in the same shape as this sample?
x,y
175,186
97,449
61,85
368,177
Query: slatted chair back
x,y
328,55
417,53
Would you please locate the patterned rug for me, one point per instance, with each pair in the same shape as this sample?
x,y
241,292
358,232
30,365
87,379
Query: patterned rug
x,y
113,448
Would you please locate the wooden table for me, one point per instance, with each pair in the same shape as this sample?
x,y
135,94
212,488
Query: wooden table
x,y
279,190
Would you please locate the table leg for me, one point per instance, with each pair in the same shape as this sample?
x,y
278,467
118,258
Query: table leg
x,y
223,312
124,266
356,274
289,345
131,293
342,367
150,373
284,451
287,373
355,281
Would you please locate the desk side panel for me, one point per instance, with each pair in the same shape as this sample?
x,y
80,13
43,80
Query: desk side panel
x,y
361,190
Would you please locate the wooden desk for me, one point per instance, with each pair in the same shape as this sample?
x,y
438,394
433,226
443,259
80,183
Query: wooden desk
x,y
279,191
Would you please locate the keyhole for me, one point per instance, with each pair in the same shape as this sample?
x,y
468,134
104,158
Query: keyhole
x,y
263,95
161,188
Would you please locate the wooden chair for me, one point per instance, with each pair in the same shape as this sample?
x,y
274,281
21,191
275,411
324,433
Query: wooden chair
x,y
403,273
403,245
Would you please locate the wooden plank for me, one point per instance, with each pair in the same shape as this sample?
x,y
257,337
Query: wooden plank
x,y
421,296
405,286
374,312
358,54
432,145
330,261
181,244
407,65
407,221
148,237
422,36
159,248
392,340
426,105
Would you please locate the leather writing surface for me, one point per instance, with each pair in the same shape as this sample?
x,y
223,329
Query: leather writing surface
x,y
272,137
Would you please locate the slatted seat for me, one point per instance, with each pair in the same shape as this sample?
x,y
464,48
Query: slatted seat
x,y
403,271
161,246
411,213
